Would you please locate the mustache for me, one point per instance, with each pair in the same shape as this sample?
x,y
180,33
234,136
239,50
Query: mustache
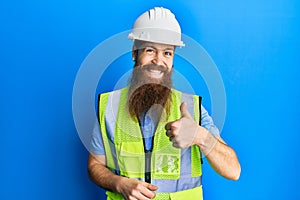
x,y
153,67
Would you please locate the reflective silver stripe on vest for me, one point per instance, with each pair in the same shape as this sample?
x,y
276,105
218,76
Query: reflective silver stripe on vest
x,y
110,120
189,99
186,180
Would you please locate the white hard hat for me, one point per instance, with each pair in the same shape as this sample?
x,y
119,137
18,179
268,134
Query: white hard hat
x,y
157,25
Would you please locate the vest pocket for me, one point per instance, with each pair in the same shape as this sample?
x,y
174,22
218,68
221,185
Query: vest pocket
x,y
166,166
131,160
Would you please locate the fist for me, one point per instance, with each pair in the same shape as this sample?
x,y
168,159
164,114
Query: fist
x,y
182,132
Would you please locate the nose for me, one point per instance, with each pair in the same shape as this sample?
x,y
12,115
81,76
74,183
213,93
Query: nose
x,y
158,58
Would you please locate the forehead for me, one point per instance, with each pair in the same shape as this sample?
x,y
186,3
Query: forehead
x,y
141,45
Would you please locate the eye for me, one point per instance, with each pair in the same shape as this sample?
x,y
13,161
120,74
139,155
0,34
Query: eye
x,y
168,53
149,50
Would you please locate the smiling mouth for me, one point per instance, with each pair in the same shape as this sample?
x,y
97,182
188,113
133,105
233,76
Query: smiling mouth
x,y
155,73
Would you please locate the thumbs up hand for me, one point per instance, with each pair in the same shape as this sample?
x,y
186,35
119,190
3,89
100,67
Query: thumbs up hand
x,y
183,132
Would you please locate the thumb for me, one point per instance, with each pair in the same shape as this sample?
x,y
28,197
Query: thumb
x,y
184,111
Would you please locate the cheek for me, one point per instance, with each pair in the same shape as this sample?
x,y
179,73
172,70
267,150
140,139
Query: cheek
x,y
170,66
144,60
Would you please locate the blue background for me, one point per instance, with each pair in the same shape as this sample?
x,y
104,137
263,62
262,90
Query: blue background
x,y
255,45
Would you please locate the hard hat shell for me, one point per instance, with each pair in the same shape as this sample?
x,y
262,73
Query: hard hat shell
x,y
157,25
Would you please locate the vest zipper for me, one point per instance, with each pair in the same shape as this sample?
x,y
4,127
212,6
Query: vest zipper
x,y
148,154
148,166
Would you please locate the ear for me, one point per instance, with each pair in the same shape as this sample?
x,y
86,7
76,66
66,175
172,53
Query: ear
x,y
134,53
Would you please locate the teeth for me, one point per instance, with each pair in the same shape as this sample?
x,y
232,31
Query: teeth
x,y
155,73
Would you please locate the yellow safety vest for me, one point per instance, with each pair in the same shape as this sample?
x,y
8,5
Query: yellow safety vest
x,y
176,172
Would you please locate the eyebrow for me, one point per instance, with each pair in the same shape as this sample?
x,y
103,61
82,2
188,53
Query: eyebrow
x,y
168,48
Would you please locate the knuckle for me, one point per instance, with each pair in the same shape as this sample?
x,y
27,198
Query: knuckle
x,y
166,126
173,133
174,126
137,187
133,193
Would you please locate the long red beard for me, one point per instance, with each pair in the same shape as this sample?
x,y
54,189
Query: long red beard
x,y
145,93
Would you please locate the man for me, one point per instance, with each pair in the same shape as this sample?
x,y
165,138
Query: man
x,y
150,137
